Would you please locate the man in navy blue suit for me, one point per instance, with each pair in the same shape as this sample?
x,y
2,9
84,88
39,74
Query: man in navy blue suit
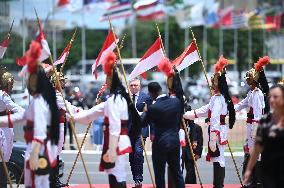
x,y
136,158
165,116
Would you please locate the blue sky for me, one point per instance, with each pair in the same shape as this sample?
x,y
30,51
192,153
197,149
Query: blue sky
x,y
72,19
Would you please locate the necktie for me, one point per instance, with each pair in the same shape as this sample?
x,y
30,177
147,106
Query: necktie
x,y
133,99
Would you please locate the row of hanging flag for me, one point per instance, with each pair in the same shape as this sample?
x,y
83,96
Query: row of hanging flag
x,y
187,13
152,57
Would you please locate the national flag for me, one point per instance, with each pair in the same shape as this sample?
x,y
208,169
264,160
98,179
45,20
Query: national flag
x,y
45,52
149,9
274,21
108,46
187,58
239,19
3,47
95,4
191,16
150,59
118,9
225,17
211,17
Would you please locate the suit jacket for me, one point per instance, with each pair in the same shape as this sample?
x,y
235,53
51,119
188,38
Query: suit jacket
x,y
140,103
195,135
165,116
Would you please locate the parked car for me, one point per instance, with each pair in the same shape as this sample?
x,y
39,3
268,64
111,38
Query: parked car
x,y
17,161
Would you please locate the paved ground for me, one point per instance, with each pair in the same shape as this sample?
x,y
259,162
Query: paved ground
x,y
92,162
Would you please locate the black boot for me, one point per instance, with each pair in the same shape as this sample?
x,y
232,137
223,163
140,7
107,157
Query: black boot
x,y
113,182
54,177
219,175
58,183
3,177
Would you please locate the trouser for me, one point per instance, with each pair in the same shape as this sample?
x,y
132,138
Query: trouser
x,y
162,156
136,159
118,171
256,173
35,181
61,137
218,175
68,126
190,177
114,184
3,177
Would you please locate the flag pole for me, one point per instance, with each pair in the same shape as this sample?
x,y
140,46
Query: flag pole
x,y
159,34
205,73
70,43
10,29
124,75
68,111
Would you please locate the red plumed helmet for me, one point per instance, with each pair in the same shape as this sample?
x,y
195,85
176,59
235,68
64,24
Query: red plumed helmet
x,y
165,66
221,64
261,63
32,56
108,63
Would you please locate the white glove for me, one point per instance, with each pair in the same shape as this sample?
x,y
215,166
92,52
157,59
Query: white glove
x,y
254,130
213,141
189,115
182,138
34,155
111,153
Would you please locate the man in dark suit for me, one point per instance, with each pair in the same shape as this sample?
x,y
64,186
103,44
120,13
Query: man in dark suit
x,y
136,158
165,116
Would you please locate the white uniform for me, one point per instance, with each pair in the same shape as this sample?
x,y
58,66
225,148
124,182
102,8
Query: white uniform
x,y
37,117
216,111
254,102
116,116
61,107
6,133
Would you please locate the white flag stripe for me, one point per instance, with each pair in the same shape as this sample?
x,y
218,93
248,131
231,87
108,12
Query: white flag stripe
x,y
150,10
188,60
23,71
45,53
61,60
2,51
105,52
148,63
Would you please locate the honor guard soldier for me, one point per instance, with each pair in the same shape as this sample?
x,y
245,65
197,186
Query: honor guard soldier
x,y
256,105
54,175
6,106
115,111
42,122
219,105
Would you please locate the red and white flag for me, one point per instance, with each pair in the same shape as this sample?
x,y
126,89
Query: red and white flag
x,y
187,58
3,47
45,52
109,45
60,59
151,58
149,10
